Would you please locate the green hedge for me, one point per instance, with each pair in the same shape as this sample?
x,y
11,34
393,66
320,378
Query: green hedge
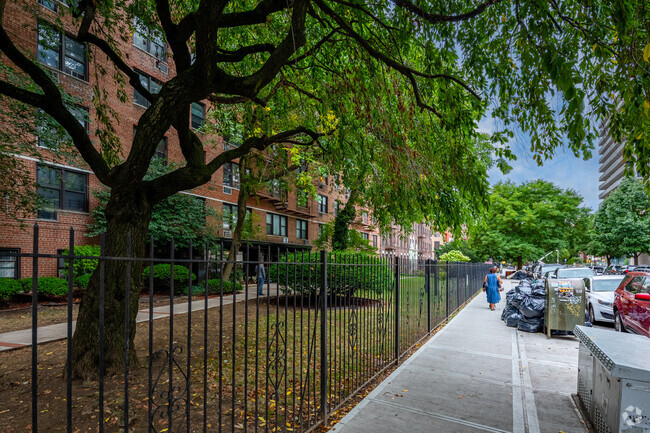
x,y
214,288
9,287
301,273
82,281
82,266
162,274
49,286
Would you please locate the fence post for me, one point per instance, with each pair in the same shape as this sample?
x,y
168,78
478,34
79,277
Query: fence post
x,y
427,287
447,289
397,352
323,336
457,272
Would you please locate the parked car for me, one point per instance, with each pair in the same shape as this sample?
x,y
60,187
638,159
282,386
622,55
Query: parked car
x,y
612,269
626,269
600,297
632,304
572,273
598,270
542,268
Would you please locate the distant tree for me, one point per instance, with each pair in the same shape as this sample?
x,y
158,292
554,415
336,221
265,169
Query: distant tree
x,y
528,220
622,224
464,247
454,256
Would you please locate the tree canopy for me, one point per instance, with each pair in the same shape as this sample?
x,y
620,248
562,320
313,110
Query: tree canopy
x,y
622,223
526,221
545,68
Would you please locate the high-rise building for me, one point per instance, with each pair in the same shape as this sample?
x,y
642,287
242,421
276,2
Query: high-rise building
x,y
611,165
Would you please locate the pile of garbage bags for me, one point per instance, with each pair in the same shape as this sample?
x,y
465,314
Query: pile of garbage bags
x,y
525,306
519,275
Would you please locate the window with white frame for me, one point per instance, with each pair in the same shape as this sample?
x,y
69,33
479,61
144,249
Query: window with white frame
x,y
54,5
364,217
322,204
60,188
365,236
149,83
149,40
301,229
62,52
374,241
9,263
229,216
337,204
276,225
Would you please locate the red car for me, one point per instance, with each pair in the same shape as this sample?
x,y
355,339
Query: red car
x,y
632,304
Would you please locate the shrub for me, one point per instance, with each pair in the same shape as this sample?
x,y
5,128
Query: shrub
x,y
214,288
49,286
82,281
162,274
302,273
9,287
82,266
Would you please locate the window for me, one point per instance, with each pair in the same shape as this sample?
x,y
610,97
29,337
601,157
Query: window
x,y
364,217
436,245
365,236
149,41
301,229
61,189
54,5
61,52
322,204
149,83
9,263
230,177
374,241
198,115
336,208
161,149
60,264
229,216
635,286
276,225
229,143
320,229
48,134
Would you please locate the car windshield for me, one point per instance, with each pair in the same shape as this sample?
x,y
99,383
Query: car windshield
x,y
547,268
608,285
574,273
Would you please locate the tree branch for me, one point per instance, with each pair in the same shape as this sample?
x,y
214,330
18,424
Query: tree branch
x,y
240,54
439,18
254,16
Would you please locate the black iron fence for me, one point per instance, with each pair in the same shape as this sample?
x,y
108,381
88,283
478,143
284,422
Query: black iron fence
x,y
326,325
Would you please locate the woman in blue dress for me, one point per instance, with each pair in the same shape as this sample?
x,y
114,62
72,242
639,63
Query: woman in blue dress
x,y
494,283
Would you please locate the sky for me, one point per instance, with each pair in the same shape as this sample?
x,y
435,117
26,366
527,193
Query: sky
x,y
564,170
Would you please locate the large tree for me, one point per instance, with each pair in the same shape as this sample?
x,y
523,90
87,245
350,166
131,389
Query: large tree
x,y
454,58
526,221
622,223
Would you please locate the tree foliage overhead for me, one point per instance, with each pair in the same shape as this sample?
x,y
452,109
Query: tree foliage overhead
x,y
526,221
281,61
622,223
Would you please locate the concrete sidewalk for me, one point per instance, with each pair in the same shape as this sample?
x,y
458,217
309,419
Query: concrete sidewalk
x,y
477,375
23,338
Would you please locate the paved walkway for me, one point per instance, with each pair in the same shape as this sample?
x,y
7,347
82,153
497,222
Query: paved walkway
x,y
23,338
477,375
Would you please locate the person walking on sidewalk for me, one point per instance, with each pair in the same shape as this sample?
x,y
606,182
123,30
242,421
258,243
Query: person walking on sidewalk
x,y
494,285
260,273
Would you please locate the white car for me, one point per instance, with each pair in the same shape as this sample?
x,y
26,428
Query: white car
x,y
600,296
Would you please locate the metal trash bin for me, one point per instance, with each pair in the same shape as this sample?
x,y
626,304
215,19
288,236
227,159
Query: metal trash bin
x,y
614,380
565,304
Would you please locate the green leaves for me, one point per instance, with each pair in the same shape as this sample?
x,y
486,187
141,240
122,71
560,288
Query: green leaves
x,y
646,53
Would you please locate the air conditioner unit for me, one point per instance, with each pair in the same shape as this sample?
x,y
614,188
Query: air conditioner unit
x,y
285,240
162,67
227,233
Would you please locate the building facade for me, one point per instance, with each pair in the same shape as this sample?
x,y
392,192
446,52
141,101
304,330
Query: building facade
x,y
611,164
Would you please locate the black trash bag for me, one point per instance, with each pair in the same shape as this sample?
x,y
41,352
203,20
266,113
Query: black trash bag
x,y
508,311
525,287
516,299
513,319
519,275
532,307
539,289
509,294
531,325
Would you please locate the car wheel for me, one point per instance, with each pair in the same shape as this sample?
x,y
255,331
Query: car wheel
x,y
618,322
592,316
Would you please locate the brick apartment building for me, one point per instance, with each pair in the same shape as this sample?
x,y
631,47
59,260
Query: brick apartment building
x,y
69,185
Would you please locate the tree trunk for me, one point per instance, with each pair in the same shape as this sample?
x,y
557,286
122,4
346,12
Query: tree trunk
x,y
342,222
520,262
239,229
127,211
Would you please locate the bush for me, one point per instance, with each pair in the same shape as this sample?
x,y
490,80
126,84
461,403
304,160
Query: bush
x,y
82,266
302,274
454,256
82,281
9,287
49,286
161,277
214,288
